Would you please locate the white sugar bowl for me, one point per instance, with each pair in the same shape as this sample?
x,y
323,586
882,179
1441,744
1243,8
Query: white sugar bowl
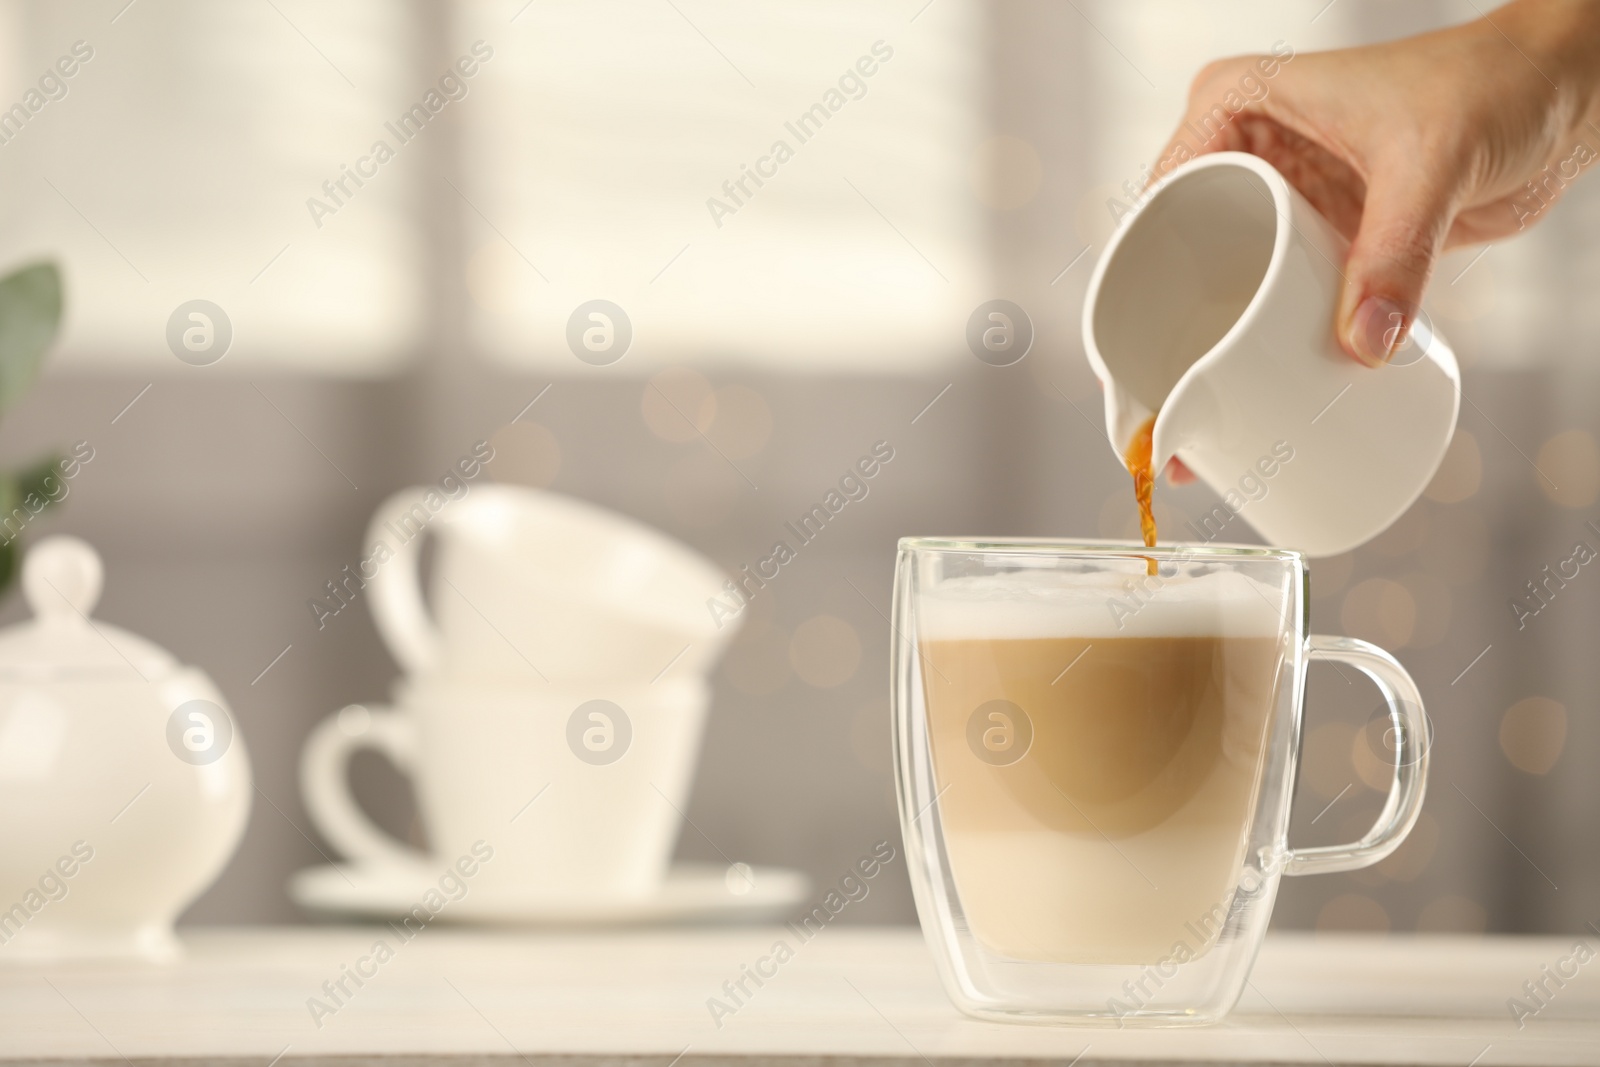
x,y
124,781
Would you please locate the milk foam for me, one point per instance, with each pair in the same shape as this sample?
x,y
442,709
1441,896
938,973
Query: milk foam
x,y
1100,604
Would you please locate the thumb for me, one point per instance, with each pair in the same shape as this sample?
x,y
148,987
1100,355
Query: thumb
x,y
1403,225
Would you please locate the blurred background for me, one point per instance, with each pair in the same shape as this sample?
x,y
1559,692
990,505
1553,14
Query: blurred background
x,y
378,336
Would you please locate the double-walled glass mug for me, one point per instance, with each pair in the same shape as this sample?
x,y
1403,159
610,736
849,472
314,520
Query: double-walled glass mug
x,y
1095,766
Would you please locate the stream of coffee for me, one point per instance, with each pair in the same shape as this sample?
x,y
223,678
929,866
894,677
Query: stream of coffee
x,y
1138,458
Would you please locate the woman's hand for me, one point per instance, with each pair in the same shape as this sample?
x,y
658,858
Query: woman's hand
x,y
1411,147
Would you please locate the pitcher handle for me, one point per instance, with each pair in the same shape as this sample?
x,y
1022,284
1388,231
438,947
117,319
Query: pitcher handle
x,y
1410,724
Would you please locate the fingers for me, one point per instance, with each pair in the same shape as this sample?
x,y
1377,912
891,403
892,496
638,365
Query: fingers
x,y
1403,224
1206,126
1334,187
1177,473
1395,197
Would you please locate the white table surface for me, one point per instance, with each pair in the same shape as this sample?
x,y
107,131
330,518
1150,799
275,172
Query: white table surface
x,y
459,996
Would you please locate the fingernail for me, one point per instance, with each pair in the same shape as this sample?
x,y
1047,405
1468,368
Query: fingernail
x,y
1378,328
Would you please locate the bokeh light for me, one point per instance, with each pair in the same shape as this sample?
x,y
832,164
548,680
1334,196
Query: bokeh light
x,y
1460,475
1569,469
1325,759
1431,594
678,405
1372,753
1381,611
1411,532
1407,862
825,651
1533,733
741,422
525,453
757,663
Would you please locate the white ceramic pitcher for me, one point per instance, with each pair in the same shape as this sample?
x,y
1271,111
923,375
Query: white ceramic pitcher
x,y
1213,306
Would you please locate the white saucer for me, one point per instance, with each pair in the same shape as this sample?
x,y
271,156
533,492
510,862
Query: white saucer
x,y
692,892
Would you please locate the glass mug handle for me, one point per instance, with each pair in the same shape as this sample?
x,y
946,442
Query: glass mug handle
x,y
1410,723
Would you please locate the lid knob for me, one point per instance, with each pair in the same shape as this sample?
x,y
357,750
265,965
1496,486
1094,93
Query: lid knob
x,y
61,579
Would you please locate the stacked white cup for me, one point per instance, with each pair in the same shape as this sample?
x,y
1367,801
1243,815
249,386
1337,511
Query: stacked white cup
x,y
553,699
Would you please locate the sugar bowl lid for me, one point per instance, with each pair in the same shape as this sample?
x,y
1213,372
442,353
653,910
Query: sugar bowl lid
x,y
61,578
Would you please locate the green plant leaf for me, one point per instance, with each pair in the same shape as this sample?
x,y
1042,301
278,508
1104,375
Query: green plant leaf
x,y
10,548
40,480
30,315
10,497
37,478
